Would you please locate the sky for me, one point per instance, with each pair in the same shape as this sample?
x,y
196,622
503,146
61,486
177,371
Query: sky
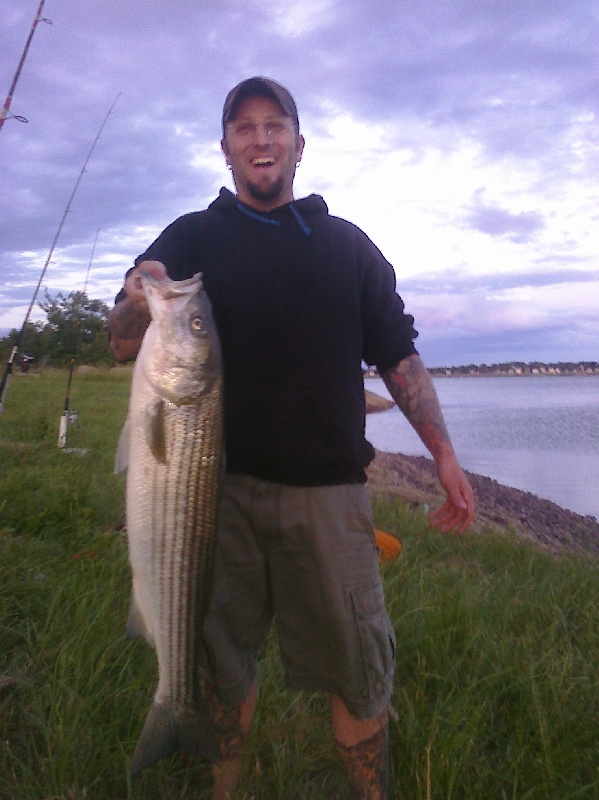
x,y
461,135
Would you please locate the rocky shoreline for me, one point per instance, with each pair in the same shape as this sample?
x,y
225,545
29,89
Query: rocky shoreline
x,y
413,478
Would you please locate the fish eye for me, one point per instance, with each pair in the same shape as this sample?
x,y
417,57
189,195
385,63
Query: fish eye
x,y
197,324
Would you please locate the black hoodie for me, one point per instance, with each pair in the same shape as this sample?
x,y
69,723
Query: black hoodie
x,y
300,299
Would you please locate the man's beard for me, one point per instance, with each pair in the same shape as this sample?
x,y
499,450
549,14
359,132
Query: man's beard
x,y
267,194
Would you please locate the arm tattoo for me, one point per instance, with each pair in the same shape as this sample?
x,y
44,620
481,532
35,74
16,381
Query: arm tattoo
x,y
411,387
124,323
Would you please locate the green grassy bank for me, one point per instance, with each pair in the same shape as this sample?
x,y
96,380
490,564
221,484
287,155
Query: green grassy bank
x,y
496,682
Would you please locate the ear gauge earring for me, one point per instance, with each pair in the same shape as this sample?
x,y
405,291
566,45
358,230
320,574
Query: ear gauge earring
x,y
229,166
297,164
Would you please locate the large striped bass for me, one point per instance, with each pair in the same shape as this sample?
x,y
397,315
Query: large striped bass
x,y
174,458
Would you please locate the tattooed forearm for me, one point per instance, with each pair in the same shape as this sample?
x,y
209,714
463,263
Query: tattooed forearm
x,y
125,323
126,328
412,389
410,386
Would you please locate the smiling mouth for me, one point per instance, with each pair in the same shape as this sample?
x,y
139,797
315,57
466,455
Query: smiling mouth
x,y
265,161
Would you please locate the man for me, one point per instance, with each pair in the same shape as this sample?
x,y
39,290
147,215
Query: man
x,y
300,298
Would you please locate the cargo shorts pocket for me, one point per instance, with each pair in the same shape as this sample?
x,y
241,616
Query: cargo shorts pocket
x,y
377,638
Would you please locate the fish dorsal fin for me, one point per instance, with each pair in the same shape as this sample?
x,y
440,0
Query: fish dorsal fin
x,y
155,430
121,458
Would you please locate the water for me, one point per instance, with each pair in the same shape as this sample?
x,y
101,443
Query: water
x,y
539,434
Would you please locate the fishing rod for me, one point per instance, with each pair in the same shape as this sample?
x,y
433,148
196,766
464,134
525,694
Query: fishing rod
x,y
91,259
9,365
67,415
64,420
5,109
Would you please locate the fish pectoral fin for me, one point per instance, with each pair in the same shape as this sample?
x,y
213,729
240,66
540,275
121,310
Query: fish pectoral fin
x,y
155,431
136,627
169,729
121,458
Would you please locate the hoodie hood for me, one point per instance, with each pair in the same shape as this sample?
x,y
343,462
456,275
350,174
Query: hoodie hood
x,y
300,210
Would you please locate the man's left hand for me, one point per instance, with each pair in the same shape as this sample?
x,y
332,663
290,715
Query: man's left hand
x,y
458,511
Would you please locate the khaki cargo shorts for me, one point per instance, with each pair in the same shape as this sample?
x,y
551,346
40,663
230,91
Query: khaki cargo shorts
x,y
306,557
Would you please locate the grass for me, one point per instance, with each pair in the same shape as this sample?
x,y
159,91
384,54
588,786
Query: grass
x,y
496,679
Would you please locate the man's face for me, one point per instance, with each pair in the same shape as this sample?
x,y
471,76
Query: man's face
x,y
262,147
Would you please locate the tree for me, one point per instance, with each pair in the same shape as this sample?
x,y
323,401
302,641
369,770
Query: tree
x,y
75,329
32,342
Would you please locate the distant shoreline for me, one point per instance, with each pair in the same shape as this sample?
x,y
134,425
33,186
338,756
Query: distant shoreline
x,y
534,369
437,373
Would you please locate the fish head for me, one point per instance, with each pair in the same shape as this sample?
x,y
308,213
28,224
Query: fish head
x,y
182,358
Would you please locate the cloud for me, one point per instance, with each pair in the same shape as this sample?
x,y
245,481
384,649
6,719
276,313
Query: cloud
x,y
459,281
493,220
462,137
304,17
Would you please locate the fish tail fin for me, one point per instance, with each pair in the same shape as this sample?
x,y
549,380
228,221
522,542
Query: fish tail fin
x,y
169,729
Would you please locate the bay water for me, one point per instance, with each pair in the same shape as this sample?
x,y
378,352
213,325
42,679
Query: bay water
x,y
535,433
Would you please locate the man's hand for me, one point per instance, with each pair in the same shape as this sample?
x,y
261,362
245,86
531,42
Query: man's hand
x,y
129,319
133,286
458,511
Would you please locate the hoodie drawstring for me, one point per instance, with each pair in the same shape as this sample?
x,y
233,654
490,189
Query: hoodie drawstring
x,y
255,215
306,229
300,220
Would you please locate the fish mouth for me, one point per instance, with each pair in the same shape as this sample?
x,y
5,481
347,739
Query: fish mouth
x,y
171,288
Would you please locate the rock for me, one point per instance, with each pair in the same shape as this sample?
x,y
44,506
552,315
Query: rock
x,y
375,403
